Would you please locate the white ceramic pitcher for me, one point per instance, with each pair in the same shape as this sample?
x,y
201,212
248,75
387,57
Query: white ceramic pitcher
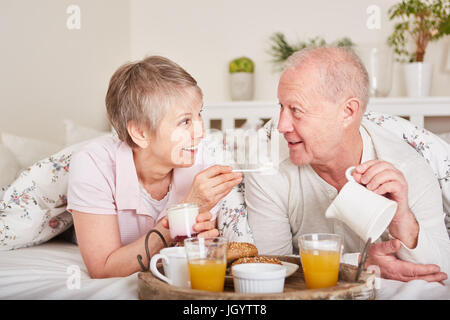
x,y
368,214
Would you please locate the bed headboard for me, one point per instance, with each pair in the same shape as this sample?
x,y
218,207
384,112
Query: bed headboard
x,y
414,108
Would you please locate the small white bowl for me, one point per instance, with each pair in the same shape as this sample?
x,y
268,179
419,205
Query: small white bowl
x,y
258,277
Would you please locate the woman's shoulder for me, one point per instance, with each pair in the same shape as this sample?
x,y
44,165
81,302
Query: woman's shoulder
x,y
102,148
96,155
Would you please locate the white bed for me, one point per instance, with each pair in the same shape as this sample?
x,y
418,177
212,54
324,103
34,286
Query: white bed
x,y
50,271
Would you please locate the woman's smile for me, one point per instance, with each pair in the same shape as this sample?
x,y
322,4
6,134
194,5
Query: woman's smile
x,y
192,149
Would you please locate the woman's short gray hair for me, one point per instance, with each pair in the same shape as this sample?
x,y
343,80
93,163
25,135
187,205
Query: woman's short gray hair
x,y
143,92
341,72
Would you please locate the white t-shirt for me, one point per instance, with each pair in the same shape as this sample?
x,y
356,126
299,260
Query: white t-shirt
x,y
155,207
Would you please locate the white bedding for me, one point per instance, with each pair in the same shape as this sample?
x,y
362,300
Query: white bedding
x,y
43,272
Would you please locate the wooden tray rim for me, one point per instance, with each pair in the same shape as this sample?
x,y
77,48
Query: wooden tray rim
x,y
364,288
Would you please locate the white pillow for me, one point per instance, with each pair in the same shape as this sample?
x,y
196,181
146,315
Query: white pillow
x,y
28,150
33,207
445,136
9,166
76,133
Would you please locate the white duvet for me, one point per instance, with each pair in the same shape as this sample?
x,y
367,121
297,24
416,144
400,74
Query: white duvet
x,y
50,271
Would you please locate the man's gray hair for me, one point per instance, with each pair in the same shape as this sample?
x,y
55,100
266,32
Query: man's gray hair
x,y
341,72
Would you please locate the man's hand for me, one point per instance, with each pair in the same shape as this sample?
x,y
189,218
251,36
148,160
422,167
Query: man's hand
x,y
384,179
383,255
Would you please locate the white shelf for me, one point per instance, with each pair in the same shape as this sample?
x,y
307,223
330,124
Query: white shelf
x,y
414,108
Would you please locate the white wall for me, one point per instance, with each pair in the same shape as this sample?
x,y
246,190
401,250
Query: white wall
x,y
204,35
49,73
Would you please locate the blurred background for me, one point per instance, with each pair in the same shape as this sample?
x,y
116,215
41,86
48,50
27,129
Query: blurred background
x,y
55,68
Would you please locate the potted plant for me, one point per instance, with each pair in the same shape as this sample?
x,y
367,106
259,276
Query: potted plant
x,y
281,50
421,22
241,78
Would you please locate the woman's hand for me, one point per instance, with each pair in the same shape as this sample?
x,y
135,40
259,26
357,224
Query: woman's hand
x,y
204,226
208,188
211,185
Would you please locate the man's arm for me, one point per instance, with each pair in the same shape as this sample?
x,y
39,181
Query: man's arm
x,y
419,220
433,244
267,209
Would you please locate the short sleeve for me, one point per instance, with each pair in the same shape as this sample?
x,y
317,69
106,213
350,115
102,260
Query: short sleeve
x,y
91,185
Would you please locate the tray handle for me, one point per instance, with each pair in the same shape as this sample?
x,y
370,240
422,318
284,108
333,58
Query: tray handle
x,y
147,251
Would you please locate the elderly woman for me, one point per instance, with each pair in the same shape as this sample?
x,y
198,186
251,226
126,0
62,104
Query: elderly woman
x,y
119,187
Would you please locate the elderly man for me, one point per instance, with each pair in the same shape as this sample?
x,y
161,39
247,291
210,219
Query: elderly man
x,y
323,94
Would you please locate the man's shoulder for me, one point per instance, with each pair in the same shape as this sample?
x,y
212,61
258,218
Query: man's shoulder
x,y
394,149
278,185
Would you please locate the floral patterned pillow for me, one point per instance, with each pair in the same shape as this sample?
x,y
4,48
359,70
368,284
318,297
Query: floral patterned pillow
x,y
33,207
232,216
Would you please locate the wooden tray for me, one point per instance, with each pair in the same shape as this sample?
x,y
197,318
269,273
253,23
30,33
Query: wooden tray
x,y
151,288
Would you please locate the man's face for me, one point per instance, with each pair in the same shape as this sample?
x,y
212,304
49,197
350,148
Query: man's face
x,y
310,123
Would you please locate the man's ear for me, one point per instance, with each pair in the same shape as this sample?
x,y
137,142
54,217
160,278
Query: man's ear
x,y
352,111
138,134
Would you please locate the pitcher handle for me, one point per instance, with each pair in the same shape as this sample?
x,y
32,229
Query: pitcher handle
x,y
348,174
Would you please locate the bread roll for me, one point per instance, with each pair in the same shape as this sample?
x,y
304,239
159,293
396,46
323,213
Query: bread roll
x,y
257,259
238,250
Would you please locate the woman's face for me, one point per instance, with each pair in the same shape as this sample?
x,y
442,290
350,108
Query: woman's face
x,y
176,140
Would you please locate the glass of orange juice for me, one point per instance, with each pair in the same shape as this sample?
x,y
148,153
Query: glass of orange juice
x,y
207,262
320,255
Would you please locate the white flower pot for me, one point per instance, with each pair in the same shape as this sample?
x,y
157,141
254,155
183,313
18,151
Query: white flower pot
x,y
418,79
241,86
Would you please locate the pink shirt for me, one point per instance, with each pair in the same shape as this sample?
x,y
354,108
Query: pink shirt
x,y
103,180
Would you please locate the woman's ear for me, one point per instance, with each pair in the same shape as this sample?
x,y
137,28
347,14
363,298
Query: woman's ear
x,y
352,109
138,134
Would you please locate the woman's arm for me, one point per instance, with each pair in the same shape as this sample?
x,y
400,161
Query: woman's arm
x,y
98,237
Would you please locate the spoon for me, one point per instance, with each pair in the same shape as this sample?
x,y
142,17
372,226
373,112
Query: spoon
x,y
363,259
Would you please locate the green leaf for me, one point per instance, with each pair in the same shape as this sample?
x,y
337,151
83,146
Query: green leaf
x,y
281,49
419,19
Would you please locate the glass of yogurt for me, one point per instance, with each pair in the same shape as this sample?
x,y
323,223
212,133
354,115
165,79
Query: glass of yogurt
x,y
182,218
